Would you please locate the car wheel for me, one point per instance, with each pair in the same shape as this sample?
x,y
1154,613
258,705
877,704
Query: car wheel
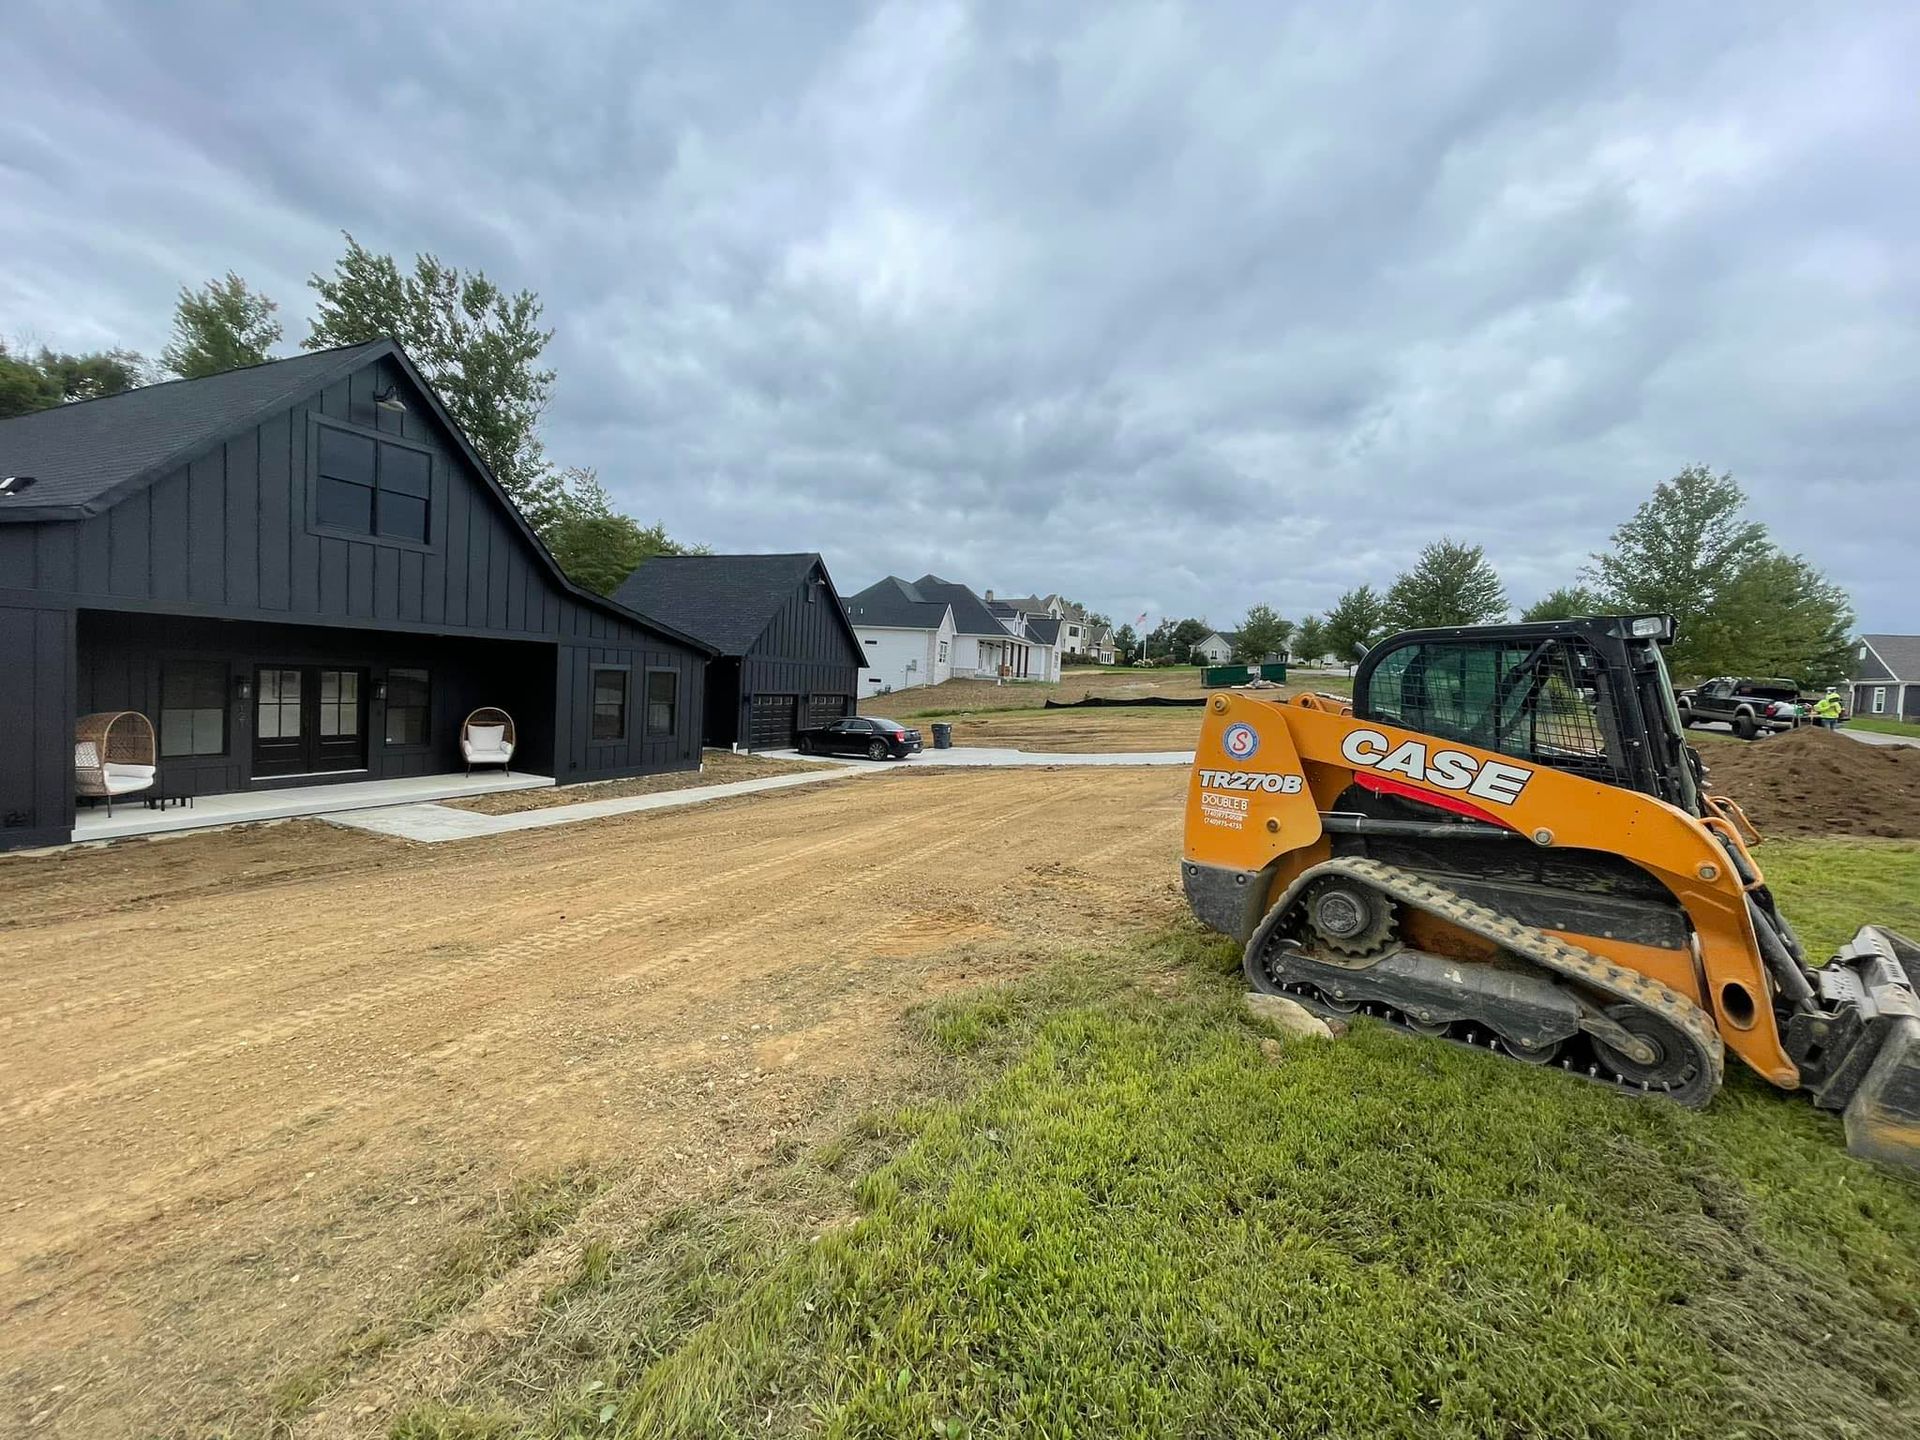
x,y
1744,727
877,750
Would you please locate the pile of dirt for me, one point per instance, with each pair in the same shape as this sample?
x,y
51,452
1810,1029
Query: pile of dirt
x,y
1813,782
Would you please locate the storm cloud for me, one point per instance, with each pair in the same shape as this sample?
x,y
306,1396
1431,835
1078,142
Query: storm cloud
x,y
1172,308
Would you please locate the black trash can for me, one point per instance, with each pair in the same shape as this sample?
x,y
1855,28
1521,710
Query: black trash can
x,y
942,736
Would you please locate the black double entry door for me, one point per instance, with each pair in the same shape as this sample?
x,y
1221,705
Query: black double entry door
x,y
308,720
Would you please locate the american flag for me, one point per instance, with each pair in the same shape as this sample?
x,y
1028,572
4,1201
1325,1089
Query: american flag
x,y
1143,618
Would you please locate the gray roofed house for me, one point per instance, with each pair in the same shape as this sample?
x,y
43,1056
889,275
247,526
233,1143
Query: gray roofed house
x,y
787,653
300,574
921,632
1886,676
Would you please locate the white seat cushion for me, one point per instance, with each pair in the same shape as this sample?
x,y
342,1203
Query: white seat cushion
x,y
122,778
486,737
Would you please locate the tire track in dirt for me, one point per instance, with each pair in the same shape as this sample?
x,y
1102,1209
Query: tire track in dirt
x,y
535,946
286,958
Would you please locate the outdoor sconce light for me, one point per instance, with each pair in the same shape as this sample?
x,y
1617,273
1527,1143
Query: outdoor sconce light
x,y
380,690
243,687
389,399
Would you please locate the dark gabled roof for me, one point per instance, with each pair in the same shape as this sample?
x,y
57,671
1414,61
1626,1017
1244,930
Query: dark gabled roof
x,y
88,455
893,604
970,613
726,600
1899,653
1044,629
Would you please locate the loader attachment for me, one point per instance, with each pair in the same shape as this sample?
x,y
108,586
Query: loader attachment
x,y
1866,1055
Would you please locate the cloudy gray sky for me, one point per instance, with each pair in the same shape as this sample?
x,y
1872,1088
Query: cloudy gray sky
x,y
1173,308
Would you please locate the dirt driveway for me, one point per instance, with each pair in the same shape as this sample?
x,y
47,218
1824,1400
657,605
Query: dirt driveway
x,y
253,1081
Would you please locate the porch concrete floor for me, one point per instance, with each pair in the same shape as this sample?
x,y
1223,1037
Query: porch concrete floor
x,y
132,817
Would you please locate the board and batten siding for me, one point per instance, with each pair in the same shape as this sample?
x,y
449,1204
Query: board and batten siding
x,y
36,717
595,640
805,650
231,534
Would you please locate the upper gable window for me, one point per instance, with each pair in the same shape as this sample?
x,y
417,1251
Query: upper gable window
x,y
371,485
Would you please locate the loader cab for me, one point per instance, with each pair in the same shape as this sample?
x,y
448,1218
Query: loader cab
x,y
1588,696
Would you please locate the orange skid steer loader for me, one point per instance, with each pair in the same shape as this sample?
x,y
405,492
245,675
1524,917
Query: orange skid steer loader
x,y
1504,840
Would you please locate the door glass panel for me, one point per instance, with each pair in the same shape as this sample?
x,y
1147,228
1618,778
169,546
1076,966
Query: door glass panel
x,y
278,705
339,703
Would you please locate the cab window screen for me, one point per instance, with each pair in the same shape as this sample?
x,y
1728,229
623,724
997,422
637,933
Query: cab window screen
x,y
1533,702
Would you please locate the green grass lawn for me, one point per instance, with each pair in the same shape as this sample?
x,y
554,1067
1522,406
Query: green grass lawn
x,y
1122,1208
1881,725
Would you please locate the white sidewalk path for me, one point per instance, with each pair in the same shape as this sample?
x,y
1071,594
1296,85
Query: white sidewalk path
x,y
1874,737
432,824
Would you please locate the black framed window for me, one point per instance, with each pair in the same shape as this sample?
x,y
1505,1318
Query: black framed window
x,y
193,708
609,705
372,486
663,695
407,707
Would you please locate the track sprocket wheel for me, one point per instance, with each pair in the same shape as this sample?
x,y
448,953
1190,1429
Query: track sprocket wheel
x,y
1349,917
1675,1070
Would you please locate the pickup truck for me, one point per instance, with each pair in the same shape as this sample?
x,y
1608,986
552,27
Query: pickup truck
x,y
1750,706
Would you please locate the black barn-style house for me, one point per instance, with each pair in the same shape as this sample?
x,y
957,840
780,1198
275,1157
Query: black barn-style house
x,y
301,572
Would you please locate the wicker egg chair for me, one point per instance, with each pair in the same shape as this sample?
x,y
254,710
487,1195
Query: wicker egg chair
x,y
487,738
113,754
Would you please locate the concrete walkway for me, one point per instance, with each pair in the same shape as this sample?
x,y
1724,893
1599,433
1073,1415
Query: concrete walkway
x,y
434,824
1874,737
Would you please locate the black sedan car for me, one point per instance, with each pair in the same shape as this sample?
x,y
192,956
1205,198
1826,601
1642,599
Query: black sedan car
x,y
866,735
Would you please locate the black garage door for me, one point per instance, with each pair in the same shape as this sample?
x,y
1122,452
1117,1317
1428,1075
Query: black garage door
x,y
825,709
770,722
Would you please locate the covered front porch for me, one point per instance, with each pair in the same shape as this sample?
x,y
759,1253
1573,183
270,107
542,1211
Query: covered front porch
x,y
131,816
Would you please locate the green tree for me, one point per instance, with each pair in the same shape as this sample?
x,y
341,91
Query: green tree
x,y
1780,617
1743,606
596,545
479,346
1680,554
49,378
1310,639
221,326
1187,634
1452,584
1567,603
1353,623
1262,633
1126,645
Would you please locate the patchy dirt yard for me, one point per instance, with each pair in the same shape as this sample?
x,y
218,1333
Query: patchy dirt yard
x,y
717,767
955,696
1084,731
256,1080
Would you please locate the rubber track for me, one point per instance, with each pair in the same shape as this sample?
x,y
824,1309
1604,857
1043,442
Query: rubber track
x,y
1545,950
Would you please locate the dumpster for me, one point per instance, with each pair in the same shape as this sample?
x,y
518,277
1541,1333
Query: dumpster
x,y
1223,675
942,736
1276,672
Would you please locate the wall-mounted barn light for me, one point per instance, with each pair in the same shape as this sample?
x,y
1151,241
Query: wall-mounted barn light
x,y
389,399
14,484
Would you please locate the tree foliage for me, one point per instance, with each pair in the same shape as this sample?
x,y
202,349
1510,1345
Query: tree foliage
x,y
1264,632
1567,603
47,378
1126,644
477,344
1743,605
221,326
1353,623
1452,584
1172,640
595,544
1310,639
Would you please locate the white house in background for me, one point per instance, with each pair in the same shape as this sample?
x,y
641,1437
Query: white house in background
x,y
1080,637
1216,648
1886,677
1040,631
908,640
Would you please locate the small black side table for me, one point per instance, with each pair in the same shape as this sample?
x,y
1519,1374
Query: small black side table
x,y
161,799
